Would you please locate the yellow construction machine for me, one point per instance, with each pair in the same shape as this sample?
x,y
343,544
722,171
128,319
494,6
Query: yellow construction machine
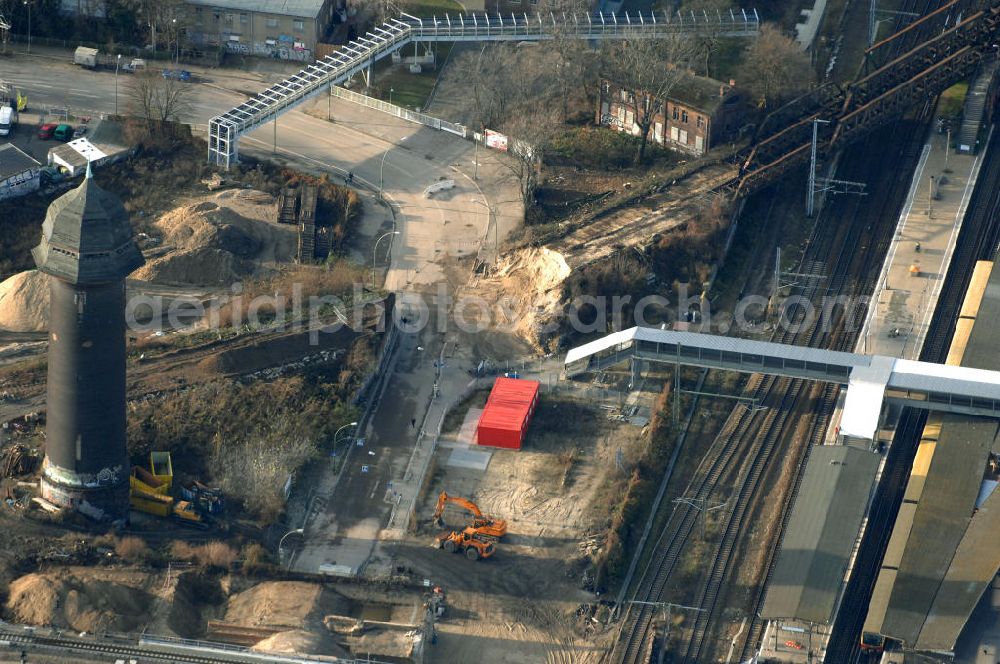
x,y
149,492
484,525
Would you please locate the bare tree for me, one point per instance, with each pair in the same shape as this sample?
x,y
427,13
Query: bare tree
x,y
488,74
775,67
646,70
158,99
169,16
707,44
254,468
531,131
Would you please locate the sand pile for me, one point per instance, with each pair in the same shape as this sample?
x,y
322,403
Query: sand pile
x,y
301,642
68,600
219,241
292,604
24,302
530,282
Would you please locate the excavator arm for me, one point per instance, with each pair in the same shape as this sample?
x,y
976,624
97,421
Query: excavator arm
x,y
444,499
487,525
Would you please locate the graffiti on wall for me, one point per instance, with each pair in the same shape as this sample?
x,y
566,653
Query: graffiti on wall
x,y
280,51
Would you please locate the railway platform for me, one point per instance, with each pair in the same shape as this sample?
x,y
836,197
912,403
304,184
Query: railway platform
x,y
906,293
896,325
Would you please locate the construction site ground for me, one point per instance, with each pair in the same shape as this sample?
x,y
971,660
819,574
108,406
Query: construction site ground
x,y
520,605
558,492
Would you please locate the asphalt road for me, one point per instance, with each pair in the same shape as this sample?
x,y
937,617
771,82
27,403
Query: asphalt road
x,y
378,148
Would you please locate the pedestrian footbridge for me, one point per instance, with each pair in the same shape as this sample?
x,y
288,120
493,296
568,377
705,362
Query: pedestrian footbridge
x,y
871,380
359,55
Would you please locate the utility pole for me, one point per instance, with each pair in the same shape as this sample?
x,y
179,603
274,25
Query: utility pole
x,y
27,3
811,194
118,62
872,23
930,197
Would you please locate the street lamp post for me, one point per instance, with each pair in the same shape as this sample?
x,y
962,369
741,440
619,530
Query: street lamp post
x,y
27,3
375,250
281,542
390,94
381,168
177,42
336,436
118,63
381,172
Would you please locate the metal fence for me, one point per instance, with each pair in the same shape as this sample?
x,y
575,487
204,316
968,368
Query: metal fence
x,y
599,25
400,112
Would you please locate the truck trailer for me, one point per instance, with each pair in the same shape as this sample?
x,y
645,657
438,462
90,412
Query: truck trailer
x,y
91,58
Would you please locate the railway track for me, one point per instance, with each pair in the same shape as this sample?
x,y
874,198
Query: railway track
x,y
90,648
843,281
31,384
978,240
755,436
709,593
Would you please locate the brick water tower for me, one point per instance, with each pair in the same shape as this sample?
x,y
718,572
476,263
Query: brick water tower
x,y
87,249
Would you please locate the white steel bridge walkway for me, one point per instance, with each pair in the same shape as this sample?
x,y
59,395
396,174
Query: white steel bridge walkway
x,y
871,379
224,131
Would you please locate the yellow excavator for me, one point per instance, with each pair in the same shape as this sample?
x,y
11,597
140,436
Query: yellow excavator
x,y
484,525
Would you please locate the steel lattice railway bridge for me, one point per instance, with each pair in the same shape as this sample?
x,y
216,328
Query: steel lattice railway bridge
x,y
224,131
958,36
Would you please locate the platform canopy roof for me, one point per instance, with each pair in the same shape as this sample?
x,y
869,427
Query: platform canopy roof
x,y
818,541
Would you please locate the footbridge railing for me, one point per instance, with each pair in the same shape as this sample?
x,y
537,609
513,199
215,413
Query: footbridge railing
x,y
224,131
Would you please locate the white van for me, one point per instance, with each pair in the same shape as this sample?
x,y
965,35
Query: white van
x,y
8,119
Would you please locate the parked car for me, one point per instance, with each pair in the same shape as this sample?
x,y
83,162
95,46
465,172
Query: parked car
x,y
63,132
46,130
8,120
177,74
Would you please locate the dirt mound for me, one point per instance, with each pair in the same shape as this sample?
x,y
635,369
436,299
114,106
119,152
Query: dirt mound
x,y
84,604
220,241
24,302
293,604
202,267
531,283
301,642
250,203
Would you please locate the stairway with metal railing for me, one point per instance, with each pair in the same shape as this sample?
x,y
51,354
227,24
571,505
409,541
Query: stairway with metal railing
x,y
975,106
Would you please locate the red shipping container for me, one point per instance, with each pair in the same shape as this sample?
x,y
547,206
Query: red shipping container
x,y
507,413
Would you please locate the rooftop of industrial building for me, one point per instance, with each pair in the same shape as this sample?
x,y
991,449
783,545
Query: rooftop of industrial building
x,y
13,161
297,8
